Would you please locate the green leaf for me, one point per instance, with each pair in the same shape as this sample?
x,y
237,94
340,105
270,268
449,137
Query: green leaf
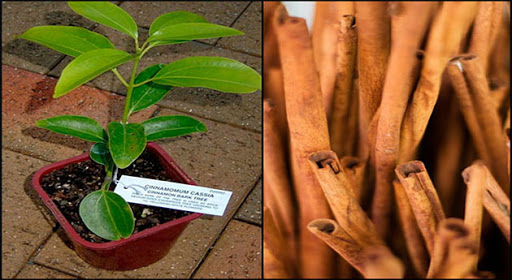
x,y
107,215
107,14
168,42
78,126
69,40
171,126
88,66
126,142
147,94
101,154
174,18
216,73
192,31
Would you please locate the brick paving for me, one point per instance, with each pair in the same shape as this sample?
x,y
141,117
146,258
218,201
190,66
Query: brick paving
x,y
227,157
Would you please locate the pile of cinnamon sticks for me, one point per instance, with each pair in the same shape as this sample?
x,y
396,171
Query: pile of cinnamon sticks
x,y
386,140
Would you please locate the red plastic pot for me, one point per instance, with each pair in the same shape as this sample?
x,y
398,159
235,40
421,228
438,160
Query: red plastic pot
x,y
140,249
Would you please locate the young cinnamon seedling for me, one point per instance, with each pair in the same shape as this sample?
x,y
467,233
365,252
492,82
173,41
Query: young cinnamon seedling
x,y
104,212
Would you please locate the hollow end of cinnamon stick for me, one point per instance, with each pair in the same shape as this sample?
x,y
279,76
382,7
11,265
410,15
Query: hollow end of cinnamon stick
x,y
453,228
466,173
323,225
325,158
352,20
406,169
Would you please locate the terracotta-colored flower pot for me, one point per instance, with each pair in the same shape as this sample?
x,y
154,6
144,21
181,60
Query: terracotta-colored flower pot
x,y
140,249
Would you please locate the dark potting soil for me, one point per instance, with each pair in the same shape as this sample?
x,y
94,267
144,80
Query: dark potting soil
x,y
70,184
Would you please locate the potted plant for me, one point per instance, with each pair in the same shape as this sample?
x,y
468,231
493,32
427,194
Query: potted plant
x,y
116,148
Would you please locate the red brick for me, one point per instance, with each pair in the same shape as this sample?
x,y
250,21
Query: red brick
x,y
24,227
237,254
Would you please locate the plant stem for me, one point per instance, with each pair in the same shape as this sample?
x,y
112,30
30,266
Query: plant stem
x,y
120,77
108,179
129,90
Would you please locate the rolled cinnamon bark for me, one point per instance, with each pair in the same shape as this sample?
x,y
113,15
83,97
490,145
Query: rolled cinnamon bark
x,y
408,24
467,108
340,195
474,177
495,201
500,54
448,28
468,69
485,30
358,255
324,38
423,199
308,133
453,251
415,244
379,262
373,44
274,90
276,261
279,195
339,122
339,240
354,170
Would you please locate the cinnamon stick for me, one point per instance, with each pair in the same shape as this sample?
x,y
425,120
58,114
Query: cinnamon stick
x,y
453,251
324,37
277,188
448,28
467,108
500,54
339,122
485,30
408,24
495,201
489,130
308,133
276,263
423,199
373,44
274,90
339,240
474,177
355,170
379,262
340,195
360,256
415,244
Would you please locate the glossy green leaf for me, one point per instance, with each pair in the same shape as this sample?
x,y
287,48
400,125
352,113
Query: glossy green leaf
x,y
107,215
88,66
193,31
126,142
69,40
174,18
171,126
216,73
101,154
147,94
78,126
107,14
168,42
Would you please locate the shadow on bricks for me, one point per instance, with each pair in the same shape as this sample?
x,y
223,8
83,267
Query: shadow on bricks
x,y
36,53
38,202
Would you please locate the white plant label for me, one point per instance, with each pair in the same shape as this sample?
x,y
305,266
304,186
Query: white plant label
x,y
173,195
